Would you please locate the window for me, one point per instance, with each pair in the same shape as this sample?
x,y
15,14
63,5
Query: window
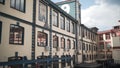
x,y
2,1
62,42
100,37
42,39
107,36
90,36
55,41
79,30
83,33
94,48
87,47
83,46
55,18
73,44
0,30
86,33
84,57
108,45
114,34
68,25
72,28
68,44
18,4
42,12
62,22
16,34
79,45
101,45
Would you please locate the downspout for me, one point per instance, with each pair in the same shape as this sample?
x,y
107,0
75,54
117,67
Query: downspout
x,y
76,52
33,30
82,42
50,33
76,48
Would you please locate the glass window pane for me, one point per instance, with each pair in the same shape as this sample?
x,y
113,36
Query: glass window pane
x,y
55,41
68,25
62,43
72,27
1,1
12,3
42,12
42,39
16,34
55,18
62,22
22,5
68,44
17,5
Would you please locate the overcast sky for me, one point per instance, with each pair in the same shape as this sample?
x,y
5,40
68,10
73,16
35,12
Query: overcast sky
x,y
103,14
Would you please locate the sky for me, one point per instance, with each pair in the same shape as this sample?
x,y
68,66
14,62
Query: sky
x,y
103,14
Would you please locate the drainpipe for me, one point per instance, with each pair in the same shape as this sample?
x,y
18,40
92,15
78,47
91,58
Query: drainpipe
x,y
82,42
33,31
50,33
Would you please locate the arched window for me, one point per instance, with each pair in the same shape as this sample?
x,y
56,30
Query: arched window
x,y
62,42
74,44
68,44
55,41
42,39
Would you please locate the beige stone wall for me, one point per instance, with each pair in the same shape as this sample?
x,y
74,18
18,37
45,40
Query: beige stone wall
x,y
8,50
27,15
116,49
57,29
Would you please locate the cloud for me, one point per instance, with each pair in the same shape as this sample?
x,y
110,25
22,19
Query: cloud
x,y
104,14
110,2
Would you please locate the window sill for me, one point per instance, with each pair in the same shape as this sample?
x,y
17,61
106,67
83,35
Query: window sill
x,y
41,46
16,44
63,28
55,25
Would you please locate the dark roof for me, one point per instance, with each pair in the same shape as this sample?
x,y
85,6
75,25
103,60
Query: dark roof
x,y
87,28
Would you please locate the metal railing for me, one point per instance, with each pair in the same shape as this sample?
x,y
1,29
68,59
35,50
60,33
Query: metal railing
x,y
117,61
25,63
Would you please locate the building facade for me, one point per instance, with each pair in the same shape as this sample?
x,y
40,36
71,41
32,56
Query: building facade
x,y
88,43
106,42
35,27
38,28
116,49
